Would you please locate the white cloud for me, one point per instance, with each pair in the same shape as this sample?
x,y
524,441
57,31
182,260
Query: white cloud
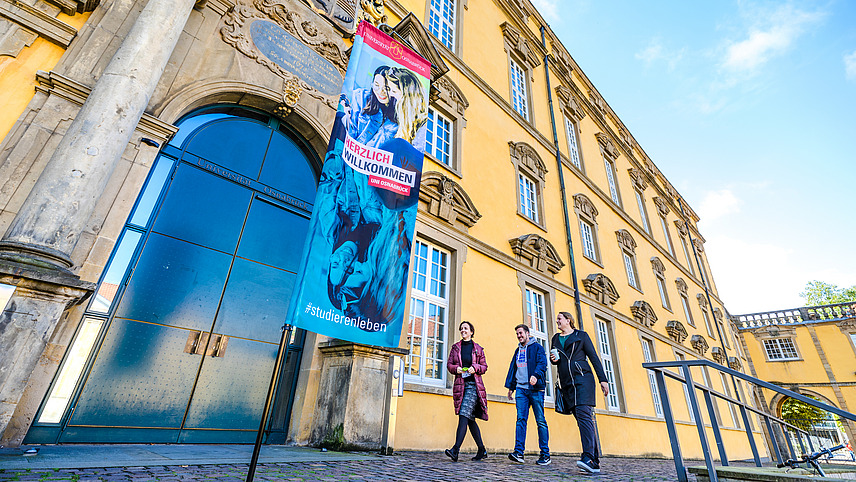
x,y
773,34
656,52
548,8
850,66
717,204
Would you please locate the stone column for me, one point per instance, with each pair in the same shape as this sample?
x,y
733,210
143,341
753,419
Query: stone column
x,y
353,396
36,249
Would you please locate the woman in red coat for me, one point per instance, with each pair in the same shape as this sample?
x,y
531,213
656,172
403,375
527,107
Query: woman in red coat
x,y
468,364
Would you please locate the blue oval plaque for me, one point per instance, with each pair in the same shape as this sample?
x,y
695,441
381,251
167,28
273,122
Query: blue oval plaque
x,y
294,56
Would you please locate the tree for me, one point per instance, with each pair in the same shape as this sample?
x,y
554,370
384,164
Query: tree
x,y
800,414
821,293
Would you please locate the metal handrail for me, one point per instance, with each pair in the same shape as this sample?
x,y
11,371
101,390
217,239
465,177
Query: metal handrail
x,y
661,372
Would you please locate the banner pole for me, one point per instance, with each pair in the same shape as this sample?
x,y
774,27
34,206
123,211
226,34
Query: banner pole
x,y
282,354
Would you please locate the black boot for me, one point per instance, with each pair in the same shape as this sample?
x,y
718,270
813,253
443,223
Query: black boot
x,y
452,453
481,454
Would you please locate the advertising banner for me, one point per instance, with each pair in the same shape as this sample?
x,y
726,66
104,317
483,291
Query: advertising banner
x,y
352,281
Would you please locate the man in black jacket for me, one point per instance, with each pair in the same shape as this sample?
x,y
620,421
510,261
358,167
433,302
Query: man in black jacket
x,y
527,376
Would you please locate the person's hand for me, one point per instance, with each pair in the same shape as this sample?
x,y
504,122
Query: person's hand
x,y
459,370
554,357
533,380
510,393
604,386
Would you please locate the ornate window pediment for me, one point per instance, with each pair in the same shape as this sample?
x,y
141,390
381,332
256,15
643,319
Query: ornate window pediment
x,y
523,49
682,286
415,34
522,154
662,206
643,313
676,330
538,252
569,103
601,288
658,266
717,354
446,91
734,363
638,178
699,344
681,227
717,315
562,62
597,100
607,145
702,301
626,240
447,200
699,246
584,205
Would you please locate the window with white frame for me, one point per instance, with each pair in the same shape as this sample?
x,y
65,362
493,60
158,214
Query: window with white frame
x,y
528,196
660,276
687,312
780,349
687,255
586,216
519,97
717,318
667,235
438,138
429,308
441,21
630,268
708,324
610,179
608,362
628,251
681,357
648,356
587,235
643,213
536,319
573,145
731,408
853,339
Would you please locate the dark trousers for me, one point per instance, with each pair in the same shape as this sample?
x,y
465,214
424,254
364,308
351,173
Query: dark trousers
x,y
583,414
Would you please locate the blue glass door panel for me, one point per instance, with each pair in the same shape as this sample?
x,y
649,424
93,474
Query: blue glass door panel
x,y
298,179
273,236
175,283
239,145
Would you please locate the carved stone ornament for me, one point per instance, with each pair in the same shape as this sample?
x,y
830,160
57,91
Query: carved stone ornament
x,y
717,315
13,38
682,286
446,91
699,344
597,101
650,167
569,103
702,301
538,252
717,354
638,178
625,240
625,138
236,32
662,206
848,326
519,45
562,62
584,205
607,145
699,246
525,155
658,266
342,13
643,313
676,331
517,9
290,95
414,34
372,11
447,200
734,363
681,226
601,288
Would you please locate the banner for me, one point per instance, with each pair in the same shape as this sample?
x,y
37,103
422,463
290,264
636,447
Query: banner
x,y
352,281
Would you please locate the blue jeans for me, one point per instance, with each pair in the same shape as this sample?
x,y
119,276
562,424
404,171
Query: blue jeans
x,y
524,398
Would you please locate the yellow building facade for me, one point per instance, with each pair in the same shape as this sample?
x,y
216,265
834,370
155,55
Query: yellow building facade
x,y
533,191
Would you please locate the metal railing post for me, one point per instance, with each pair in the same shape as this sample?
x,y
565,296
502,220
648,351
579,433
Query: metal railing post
x,y
714,424
775,442
799,438
751,436
788,440
705,447
670,426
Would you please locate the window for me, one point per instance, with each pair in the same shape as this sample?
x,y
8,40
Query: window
x,y
587,218
853,339
438,140
681,357
660,275
603,340
630,267
573,145
643,213
441,21
609,165
731,408
687,313
587,235
780,349
717,317
628,251
519,97
536,319
667,235
702,303
687,255
528,197
648,356
429,306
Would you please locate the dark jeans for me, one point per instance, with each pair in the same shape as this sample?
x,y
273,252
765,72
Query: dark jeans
x,y
583,414
525,398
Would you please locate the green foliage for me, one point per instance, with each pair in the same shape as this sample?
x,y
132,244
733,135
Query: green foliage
x,y
801,414
335,439
822,293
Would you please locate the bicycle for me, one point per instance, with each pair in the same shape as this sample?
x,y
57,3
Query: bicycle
x,y
811,459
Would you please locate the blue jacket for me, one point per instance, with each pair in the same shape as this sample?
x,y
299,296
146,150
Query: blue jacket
x,y
536,361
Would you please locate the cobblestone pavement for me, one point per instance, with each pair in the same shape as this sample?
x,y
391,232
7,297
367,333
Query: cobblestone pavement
x,y
407,466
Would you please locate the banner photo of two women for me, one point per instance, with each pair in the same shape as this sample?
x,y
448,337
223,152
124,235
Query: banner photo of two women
x,y
353,277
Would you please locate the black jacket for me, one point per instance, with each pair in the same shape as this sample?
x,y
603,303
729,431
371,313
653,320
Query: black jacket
x,y
575,376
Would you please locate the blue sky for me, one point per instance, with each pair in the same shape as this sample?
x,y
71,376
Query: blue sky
x,y
749,108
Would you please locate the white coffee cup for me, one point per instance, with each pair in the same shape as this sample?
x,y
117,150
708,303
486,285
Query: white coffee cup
x,y
554,353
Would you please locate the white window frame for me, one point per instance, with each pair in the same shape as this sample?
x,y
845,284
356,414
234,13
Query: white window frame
x,y
537,320
731,408
441,21
681,357
630,268
430,287
573,143
588,240
685,303
707,323
643,213
519,95
648,356
668,236
440,137
775,349
609,166
687,255
608,362
664,295
528,193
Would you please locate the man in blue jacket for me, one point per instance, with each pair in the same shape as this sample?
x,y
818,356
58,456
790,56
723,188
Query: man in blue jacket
x,y
527,376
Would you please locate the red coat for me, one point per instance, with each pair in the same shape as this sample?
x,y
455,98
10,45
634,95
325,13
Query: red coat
x,y
480,366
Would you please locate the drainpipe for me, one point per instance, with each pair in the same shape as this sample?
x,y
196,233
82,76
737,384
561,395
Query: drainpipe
x,y
562,185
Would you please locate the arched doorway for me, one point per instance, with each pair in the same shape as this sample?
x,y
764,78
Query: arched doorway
x,y
186,320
